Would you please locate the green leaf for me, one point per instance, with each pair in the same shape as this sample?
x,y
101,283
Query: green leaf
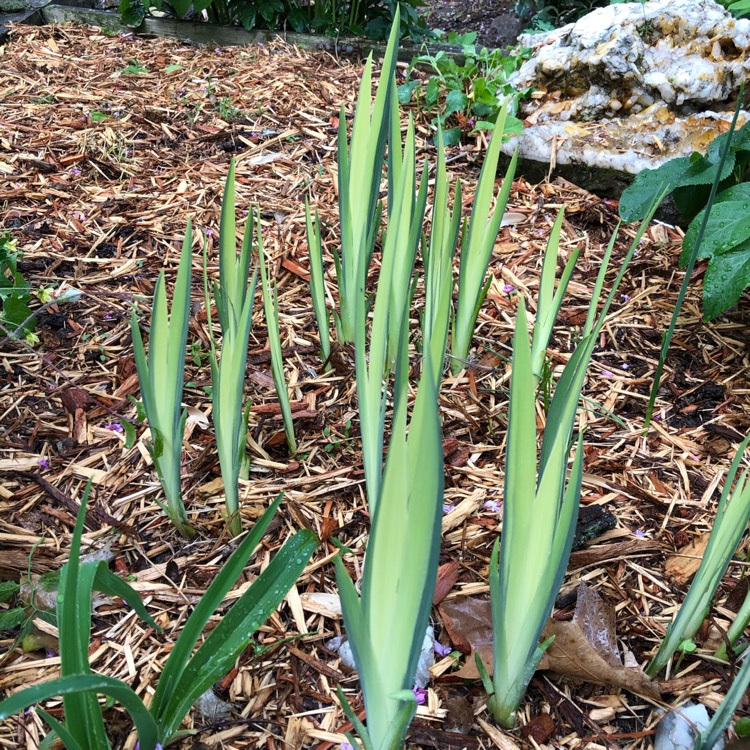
x,y
728,226
12,618
7,590
132,12
432,91
452,136
16,311
207,605
83,684
637,198
406,90
727,276
455,101
130,434
112,585
231,636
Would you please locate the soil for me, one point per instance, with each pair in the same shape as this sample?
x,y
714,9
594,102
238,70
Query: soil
x,y
495,21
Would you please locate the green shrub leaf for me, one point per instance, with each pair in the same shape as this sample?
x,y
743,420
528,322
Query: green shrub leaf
x,y
638,197
728,275
728,226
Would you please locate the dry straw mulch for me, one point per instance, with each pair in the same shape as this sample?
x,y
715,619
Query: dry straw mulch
x,y
107,145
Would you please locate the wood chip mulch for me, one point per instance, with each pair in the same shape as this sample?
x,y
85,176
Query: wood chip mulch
x,y
107,145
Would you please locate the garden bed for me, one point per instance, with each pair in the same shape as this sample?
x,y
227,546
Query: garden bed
x,y
109,142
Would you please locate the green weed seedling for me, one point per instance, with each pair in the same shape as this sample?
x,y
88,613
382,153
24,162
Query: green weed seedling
x,y
15,292
186,674
466,97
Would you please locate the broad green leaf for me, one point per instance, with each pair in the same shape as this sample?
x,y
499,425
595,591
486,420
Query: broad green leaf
x,y
703,170
728,226
12,618
17,312
8,589
452,136
727,277
637,198
455,101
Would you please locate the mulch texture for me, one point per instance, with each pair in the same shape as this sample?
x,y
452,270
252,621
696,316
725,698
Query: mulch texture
x,y
107,145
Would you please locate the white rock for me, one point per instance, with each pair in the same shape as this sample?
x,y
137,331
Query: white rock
x,y
636,84
426,657
676,732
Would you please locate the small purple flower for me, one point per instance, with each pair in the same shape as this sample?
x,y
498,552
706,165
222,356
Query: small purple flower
x,y
50,652
447,508
493,506
346,746
75,172
625,366
507,289
625,297
43,463
441,650
640,533
210,233
606,374
115,427
420,694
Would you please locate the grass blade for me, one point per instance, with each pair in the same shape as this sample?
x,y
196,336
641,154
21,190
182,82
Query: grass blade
x,y
82,684
205,608
231,636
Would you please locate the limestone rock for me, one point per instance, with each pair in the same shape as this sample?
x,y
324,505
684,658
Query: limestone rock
x,y
632,85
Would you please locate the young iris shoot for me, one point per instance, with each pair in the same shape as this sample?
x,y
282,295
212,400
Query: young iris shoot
x,y
161,377
540,500
477,244
271,306
732,517
386,626
438,263
360,169
317,283
234,304
550,299
186,675
373,363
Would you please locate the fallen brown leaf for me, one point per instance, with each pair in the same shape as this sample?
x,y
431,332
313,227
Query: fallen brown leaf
x,y
585,648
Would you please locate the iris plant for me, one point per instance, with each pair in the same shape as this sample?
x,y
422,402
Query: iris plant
x,y
477,243
540,498
271,306
233,295
161,377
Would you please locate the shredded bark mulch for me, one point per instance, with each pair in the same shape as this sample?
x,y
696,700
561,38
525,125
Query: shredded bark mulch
x,y
107,145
